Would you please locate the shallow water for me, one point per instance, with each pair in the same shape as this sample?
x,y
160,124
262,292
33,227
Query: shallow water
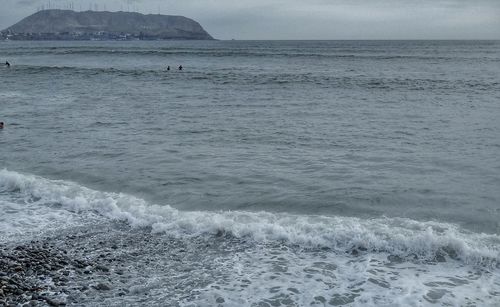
x,y
321,161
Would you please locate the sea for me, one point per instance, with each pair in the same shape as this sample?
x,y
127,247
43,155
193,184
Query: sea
x,y
293,173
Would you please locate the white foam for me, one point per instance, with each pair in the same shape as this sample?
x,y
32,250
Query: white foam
x,y
396,236
267,277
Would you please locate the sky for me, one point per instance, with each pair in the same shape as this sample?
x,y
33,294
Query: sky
x,y
306,19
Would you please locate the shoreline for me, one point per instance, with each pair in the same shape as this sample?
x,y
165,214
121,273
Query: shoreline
x,y
110,264
113,264
50,271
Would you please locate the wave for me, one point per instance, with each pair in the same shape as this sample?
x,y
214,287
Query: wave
x,y
402,237
318,53
244,78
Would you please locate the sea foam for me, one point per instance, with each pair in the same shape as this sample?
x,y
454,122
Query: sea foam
x,y
60,201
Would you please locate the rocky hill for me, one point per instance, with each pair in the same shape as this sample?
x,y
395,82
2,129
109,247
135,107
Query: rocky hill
x,y
66,24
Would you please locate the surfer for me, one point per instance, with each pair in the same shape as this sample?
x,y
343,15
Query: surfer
x,y
180,67
168,67
7,64
1,125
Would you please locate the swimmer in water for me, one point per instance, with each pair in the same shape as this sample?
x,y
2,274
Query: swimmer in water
x,y
1,125
7,64
180,67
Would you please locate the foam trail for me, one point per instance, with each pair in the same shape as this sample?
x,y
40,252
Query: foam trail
x,y
397,236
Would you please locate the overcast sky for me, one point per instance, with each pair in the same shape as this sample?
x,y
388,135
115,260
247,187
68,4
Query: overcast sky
x,y
311,19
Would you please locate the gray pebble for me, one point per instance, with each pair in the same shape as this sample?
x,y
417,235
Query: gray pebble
x,y
102,268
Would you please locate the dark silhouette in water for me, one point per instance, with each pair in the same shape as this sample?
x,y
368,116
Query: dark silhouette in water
x,y
168,67
7,64
1,125
180,67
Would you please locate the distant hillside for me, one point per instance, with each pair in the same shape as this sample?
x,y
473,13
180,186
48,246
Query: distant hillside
x,y
65,24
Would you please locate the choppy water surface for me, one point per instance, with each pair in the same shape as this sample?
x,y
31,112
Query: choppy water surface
x,y
341,173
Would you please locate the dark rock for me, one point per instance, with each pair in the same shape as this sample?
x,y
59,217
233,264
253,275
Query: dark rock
x,y
52,302
79,264
18,291
102,287
102,268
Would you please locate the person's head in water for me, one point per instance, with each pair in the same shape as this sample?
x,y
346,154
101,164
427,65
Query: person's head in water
x,y
1,125
168,67
7,64
180,67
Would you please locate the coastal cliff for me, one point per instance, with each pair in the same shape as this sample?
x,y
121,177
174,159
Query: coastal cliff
x,y
71,25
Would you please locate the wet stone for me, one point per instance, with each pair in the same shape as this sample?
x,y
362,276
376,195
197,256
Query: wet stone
x,y
102,287
53,302
102,268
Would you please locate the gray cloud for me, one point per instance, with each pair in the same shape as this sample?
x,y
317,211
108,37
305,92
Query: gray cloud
x,y
312,19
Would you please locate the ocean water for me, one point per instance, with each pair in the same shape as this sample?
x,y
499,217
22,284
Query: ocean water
x,y
297,173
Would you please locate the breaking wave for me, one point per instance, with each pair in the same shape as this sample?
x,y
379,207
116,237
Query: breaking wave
x,y
400,237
